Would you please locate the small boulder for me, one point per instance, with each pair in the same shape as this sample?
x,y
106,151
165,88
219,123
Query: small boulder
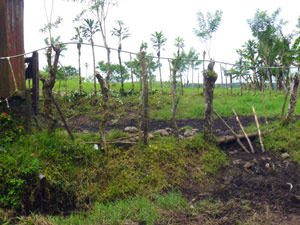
x,y
267,165
162,132
131,129
285,155
247,165
189,133
237,162
169,130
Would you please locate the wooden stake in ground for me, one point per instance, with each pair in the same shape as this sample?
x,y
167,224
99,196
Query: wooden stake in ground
x,y
258,130
231,91
243,130
102,126
204,53
210,77
222,79
62,116
145,97
241,85
232,131
131,75
174,95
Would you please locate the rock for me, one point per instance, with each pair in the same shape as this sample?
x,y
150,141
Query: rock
x,y
227,132
162,132
131,129
189,133
218,130
285,155
247,165
237,162
169,130
228,179
267,165
255,161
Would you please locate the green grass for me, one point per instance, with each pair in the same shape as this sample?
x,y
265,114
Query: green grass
x,y
191,105
285,139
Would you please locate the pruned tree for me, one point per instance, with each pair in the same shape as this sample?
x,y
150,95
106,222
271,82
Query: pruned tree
x,y
48,84
158,41
210,77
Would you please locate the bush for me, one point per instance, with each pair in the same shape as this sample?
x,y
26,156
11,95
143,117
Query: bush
x,y
9,129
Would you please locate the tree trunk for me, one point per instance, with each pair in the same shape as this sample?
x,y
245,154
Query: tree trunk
x,y
102,126
293,100
210,79
270,80
150,76
241,87
161,83
131,75
203,73
94,67
181,84
121,71
146,100
79,67
231,91
193,78
48,85
174,96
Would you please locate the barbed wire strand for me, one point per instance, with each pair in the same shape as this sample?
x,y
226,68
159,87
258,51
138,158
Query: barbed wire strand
x,y
150,56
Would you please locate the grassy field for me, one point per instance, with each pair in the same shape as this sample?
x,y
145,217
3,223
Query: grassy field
x,y
132,184
191,104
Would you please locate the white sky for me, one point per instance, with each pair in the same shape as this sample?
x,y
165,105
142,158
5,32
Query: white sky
x,y
144,17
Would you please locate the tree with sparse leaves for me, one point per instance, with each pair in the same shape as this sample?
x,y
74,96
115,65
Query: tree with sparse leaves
x,y
158,41
207,26
122,33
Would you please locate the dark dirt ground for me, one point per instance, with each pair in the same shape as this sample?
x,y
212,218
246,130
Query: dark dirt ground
x,y
258,188
90,124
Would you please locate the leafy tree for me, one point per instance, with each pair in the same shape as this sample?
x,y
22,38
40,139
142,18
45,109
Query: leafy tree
x,y
89,29
207,26
122,33
266,29
158,41
116,71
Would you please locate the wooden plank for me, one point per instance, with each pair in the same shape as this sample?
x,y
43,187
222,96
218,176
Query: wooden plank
x,y
12,43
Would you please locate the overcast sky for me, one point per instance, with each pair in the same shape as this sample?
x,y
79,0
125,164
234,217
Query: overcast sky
x,y
143,17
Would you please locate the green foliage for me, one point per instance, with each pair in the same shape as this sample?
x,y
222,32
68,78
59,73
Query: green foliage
x,y
64,165
9,129
285,139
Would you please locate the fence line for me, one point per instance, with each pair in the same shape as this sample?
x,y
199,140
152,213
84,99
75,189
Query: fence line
x,y
148,56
